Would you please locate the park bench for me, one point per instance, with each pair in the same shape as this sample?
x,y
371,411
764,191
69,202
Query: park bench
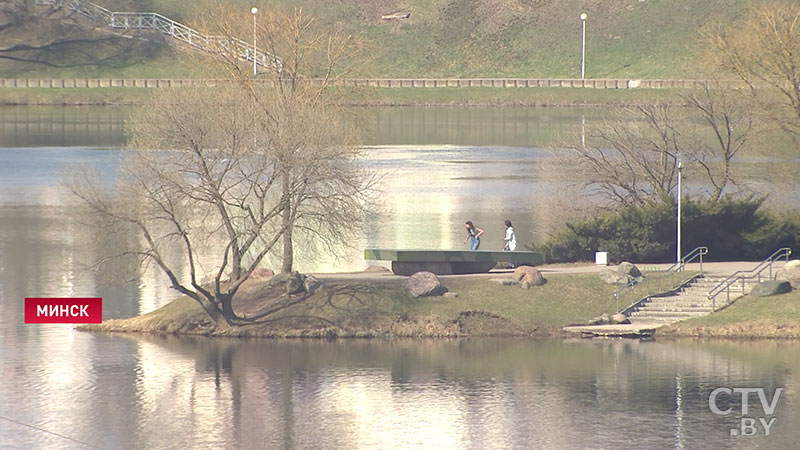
x,y
448,262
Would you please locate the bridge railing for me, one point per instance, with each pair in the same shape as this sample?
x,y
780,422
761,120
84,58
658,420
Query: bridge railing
x,y
154,21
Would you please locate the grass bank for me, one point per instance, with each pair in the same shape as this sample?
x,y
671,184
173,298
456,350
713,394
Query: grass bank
x,y
461,97
379,307
468,38
73,96
776,317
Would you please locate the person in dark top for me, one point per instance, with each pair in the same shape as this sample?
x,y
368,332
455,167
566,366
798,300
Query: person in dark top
x,y
473,234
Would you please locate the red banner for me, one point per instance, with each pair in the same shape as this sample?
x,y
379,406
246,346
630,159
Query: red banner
x,y
64,310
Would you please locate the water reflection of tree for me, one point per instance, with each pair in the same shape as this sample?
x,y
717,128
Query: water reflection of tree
x,y
529,391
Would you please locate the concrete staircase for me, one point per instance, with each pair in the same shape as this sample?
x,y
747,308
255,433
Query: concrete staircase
x,y
690,301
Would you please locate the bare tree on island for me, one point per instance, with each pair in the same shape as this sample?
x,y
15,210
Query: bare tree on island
x,y
217,178
312,56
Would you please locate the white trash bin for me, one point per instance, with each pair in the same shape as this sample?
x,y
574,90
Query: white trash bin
x,y
601,258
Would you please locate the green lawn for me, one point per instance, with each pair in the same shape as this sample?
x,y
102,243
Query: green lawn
x,y
749,317
73,96
474,38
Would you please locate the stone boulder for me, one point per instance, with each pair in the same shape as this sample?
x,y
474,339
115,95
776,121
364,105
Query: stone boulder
x,y
262,273
377,269
629,269
771,287
529,275
611,276
790,273
600,320
619,318
295,283
424,284
311,284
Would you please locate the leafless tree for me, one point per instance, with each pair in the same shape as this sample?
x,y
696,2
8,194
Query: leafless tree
x,y
725,116
629,162
764,52
313,58
203,185
633,159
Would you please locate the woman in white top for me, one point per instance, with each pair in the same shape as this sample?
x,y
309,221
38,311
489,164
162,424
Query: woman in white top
x,y
511,239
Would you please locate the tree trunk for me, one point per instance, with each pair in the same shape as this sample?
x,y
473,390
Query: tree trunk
x,y
227,308
288,251
286,222
211,309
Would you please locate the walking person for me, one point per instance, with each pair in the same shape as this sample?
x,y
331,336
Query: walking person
x,y
511,239
473,234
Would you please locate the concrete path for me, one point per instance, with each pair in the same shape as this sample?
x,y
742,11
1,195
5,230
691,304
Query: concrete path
x,y
712,268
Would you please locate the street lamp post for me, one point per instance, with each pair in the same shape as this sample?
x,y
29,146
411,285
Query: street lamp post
x,y
254,11
583,44
678,244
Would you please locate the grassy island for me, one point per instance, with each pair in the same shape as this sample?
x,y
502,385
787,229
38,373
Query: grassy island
x,y
378,306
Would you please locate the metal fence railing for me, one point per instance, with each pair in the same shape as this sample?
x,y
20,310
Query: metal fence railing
x,y
156,22
742,276
658,282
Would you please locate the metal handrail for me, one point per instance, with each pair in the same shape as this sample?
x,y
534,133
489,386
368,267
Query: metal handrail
x,y
744,275
678,266
177,30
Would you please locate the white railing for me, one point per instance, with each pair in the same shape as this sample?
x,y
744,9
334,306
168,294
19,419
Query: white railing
x,y
153,21
742,276
660,281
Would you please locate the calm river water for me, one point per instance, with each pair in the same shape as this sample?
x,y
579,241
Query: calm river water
x,y
64,389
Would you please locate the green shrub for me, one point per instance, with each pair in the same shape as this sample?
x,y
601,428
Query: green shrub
x,y
732,229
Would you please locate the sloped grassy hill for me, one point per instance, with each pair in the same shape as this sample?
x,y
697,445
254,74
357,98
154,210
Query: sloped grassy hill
x,y
483,38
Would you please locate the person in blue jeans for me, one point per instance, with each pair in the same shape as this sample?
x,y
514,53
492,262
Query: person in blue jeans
x,y
473,234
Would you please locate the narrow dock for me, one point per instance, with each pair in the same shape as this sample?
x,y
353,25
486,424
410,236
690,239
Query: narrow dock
x,y
628,330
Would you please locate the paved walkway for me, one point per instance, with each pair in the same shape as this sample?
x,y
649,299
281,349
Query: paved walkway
x,y
713,268
710,268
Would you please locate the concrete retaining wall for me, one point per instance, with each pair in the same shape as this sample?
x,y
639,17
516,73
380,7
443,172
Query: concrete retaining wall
x,y
370,82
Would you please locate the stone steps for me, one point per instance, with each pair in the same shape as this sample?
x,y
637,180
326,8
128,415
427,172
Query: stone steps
x,y
691,301
692,308
666,314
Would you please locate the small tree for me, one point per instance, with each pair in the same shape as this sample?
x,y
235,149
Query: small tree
x,y
633,158
765,54
220,176
297,104
724,116
630,162
195,178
